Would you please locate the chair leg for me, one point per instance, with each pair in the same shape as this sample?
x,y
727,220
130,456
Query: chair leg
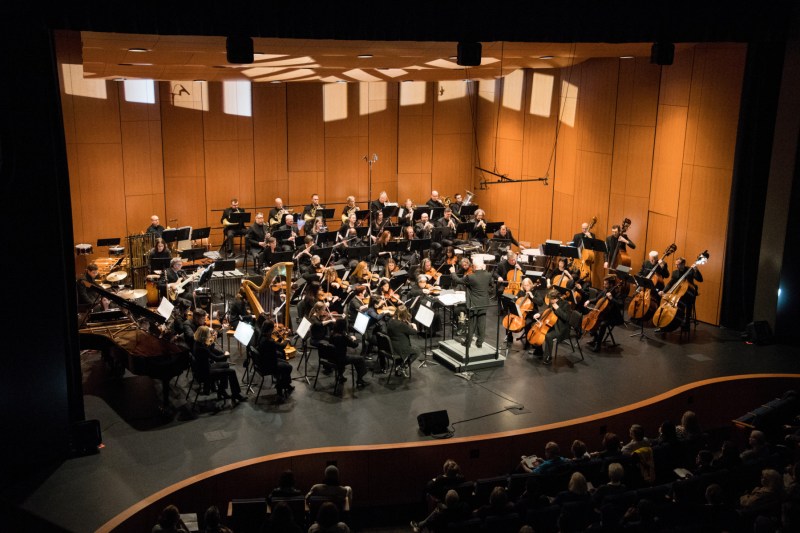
x,y
259,389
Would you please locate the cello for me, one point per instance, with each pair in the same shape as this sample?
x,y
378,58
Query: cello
x,y
515,323
668,308
514,279
620,257
592,318
642,301
538,332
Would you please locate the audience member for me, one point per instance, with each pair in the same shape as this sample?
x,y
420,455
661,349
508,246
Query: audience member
x,y
689,428
328,520
330,487
729,456
285,488
449,478
169,521
769,492
579,453
577,490
452,510
213,521
552,460
703,463
759,449
281,520
498,505
616,473
532,498
638,440
716,514
611,447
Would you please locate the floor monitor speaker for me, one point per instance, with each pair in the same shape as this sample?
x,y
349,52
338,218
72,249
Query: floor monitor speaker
x,y
433,423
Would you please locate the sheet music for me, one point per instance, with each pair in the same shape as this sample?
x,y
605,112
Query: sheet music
x,y
244,332
362,321
452,298
165,308
424,316
302,329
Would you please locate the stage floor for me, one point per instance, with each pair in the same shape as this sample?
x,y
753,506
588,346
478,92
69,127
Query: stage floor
x,y
144,452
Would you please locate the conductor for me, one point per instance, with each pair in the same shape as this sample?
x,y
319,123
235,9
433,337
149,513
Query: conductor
x,y
477,286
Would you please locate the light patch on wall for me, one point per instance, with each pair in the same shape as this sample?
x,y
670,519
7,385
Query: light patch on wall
x,y
334,101
372,98
236,98
451,90
359,75
140,91
77,85
189,94
541,94
487,89
569,103
512,90
412,93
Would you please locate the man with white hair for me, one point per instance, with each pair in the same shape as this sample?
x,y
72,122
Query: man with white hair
x,y
477,286
653,264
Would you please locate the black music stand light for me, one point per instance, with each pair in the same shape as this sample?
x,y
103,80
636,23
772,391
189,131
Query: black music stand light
x,y
644,284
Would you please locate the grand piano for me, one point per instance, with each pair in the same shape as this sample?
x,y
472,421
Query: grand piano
x,y
125,343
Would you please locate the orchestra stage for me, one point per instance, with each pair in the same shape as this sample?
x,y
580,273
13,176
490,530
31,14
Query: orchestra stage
x,y
145,452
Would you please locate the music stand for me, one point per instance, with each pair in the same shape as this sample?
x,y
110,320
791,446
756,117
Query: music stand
x,y
424,317
201,233
644,284
398,279
465,227
467,211
170,235
357,252
362,231
282,257
420,245
390,211
326,213
572,252
324,254
160,263
396,246
436,212
239,218
192,254
363,214
223,265
324,238
302,332
394,231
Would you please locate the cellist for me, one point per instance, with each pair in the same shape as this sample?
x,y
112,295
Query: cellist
x,y
503,269
688,299
561,276
611,316
559,331
616,243
526,303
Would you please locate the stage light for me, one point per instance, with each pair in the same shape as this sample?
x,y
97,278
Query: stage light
x,y
662,53
239,50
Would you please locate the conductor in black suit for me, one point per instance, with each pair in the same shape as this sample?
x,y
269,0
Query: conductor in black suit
x,y
477,285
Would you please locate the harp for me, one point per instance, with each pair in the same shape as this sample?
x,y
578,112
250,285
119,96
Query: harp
x,y
266,298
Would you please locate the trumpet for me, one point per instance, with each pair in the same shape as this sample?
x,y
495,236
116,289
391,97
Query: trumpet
x,y
480,224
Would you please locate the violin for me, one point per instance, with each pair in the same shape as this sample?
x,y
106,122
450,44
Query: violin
x,y
433,275
451,260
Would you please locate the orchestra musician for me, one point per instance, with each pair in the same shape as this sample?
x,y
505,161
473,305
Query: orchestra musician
x,y
342,340
430,273
478,232
159,251
272,358
303,257
316,227
577,239
312,210
256,236
276,214
390,268
361,274
357,304
155,226
348,229
386,293
400,328
434,200
612,316
424,229
477,287
380,203
526,290
86,299
231,229
378,224
267,254
349,209
309,300
656,266
321,319
174,275
504,235
456,204
211,362
311,270
406,213
688,299
503,268
617,242
447,221
560,329
289,243
561,275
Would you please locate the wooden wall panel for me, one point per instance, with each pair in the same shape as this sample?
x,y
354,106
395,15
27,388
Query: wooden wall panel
x,y
660,234
414,186
637,97
269,143
452,165
593,187
102,187
97,119
136,153
597,98
383,120
536,203
342,165
302,185
451,106
676,80
305,131
186,201
139,209
667,159
182,135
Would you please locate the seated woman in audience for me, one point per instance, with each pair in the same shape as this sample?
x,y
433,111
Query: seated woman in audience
x,y
579,453
770,492
169,521
281,520
759,449
213,521
689,429
728,457
450,477
577,490
285,488
452,510
498,505
552,461
616,473
612,447
328,520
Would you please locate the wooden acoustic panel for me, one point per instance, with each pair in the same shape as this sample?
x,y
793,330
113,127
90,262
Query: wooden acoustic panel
x,y
452,109
676,80
660,234
103,190
97,119
597,100
182,137
668,159
137,165
186,202
343,162
301,186
305,132
415,186
139,209
414,143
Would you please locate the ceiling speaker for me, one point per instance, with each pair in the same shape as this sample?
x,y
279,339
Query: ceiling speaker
x,y
662,53
239,50
469,54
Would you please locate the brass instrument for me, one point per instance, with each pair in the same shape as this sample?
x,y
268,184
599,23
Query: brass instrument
x,y
468,201
279,215
447,201
349,211
480,224
312,215
259,296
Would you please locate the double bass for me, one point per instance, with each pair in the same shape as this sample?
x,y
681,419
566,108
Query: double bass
x,y
618,256
642,302
584,265
668,309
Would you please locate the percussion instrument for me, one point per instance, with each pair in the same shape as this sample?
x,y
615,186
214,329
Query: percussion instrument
x,y
151,286
83,249
138,296
116,250
106,286
116,277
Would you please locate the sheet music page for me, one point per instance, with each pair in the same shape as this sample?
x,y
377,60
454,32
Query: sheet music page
x,y
244,332
424,316
362,321
453,298
165,308
302,329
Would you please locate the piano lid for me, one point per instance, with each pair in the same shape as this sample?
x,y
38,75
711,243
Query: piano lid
x,y
135,309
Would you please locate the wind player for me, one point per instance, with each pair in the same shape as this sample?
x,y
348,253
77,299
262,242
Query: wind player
x,y
447,221
405,215
256,236
232,229
434,201
276,214
349,209
617,242
312,210
380,203
289,243
456,204
478,232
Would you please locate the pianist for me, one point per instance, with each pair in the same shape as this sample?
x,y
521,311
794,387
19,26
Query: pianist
x,y
84,297
211,364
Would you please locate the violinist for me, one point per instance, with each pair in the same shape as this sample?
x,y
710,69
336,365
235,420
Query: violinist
x,y
464,267
309,300
430,273
616,241
272,358
687,301
559,331
333,287
321,319
361,274
390,268
400,328
357,304
478,232
420,289
612,316
211,362
312,271
387,293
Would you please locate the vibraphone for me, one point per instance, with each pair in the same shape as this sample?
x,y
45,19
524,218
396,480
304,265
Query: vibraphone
x,y
226,284
138,269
